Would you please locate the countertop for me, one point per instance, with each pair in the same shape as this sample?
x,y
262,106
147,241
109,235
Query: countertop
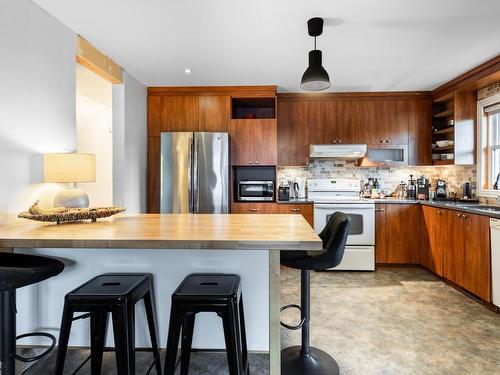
x,y
174,231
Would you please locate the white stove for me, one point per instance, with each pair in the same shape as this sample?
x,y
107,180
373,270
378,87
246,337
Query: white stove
x,y
332,195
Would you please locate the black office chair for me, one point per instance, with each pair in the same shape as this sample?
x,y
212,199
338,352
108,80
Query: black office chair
x,y
16,271
306,360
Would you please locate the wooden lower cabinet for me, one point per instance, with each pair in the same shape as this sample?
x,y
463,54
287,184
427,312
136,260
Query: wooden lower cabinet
x,y
477,255
397,228
253,208
305,209
456,246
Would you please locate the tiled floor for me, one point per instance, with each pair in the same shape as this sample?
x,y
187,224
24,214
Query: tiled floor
x,y
394,321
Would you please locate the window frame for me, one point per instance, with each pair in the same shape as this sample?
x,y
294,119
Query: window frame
x,y
482,144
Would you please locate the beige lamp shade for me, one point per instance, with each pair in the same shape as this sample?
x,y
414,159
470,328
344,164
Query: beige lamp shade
x,y
69,167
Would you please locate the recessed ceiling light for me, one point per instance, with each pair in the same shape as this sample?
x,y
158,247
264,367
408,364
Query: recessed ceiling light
x,y
188,71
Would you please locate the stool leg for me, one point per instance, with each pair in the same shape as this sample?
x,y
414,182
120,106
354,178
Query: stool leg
x,y
186,342
121,333
64,332
174,331
7,332
98,326
148,304
232,335
246,364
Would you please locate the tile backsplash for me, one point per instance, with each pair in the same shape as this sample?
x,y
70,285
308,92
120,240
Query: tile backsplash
x,y
389,177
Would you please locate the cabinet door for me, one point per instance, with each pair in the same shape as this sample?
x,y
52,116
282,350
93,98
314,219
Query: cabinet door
x,y
452,231
241,142
322,126
432,259
476,239
420,132
380,239
265,141
214,113
349,119
305,210
253,208
154,116
293,133
391,119
402,234
179,114
154,172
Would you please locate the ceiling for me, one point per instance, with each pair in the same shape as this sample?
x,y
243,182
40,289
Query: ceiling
x,y
368,45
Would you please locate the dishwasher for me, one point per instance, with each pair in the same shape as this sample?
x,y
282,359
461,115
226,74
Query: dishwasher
x,y
495,260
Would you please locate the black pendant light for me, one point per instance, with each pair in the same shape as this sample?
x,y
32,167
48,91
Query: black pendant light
x,y
315,78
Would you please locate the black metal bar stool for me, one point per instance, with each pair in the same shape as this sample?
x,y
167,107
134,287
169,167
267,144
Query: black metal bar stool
x,y
116,294
219,293
306,360
16,271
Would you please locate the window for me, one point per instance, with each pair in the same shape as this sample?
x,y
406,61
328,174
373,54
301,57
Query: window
x,y
489,145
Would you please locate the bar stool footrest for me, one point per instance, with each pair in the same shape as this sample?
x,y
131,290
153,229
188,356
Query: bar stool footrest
x,y
290,327
41,355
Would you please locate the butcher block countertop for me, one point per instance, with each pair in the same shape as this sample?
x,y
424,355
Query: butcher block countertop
x,y
172,231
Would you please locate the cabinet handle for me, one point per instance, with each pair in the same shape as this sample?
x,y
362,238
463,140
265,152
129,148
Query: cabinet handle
x,y
464,216
251,162
339,141
253,209
460,215
334,141
439,212
379,209
256,162
295,209
388,140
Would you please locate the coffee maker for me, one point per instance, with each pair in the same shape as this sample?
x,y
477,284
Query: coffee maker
x,y
441,189
423,188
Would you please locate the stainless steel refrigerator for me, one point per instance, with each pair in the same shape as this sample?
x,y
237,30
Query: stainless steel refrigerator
x,y
194,172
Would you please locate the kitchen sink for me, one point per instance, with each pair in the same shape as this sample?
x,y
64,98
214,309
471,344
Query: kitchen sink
x,y
484,208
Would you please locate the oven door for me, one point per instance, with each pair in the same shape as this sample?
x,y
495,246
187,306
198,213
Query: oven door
x,y
362,229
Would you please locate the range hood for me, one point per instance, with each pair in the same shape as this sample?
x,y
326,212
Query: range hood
x,y
345,152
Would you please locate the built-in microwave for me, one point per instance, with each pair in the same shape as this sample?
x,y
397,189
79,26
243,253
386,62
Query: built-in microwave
x,y
255,191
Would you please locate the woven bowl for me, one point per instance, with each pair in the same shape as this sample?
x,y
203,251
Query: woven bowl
x,y
74,214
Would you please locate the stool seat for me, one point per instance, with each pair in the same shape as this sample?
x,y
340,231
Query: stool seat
x,y
18,270
207,284
110,284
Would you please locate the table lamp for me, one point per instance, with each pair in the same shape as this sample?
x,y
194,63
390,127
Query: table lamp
x,y
70,168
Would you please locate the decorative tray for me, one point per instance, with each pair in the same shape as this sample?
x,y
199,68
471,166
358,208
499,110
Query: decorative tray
x,y
69,214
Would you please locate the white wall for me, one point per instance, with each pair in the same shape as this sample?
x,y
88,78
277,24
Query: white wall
x,y
94,126
37,100
130,144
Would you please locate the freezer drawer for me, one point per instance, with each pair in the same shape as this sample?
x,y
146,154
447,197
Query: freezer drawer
x,y
357,258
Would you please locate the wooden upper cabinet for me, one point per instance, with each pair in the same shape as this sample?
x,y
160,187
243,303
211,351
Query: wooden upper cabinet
x,y
154,116
265,141
241,133
391,122
477,254
294,132
253,142
214,113
179,113
321,120
348,126
420,132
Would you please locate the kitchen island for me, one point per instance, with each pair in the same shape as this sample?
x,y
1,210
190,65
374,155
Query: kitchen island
x,y
169,247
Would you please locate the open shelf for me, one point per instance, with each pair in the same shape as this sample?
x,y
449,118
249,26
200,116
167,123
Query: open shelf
x,y
443,162
253,108
445,113
447,130
445,148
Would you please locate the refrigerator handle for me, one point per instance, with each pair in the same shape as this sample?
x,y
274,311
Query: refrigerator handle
x,y
190,177
196,190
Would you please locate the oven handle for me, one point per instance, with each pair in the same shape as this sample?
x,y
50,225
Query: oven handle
x,y
355,206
